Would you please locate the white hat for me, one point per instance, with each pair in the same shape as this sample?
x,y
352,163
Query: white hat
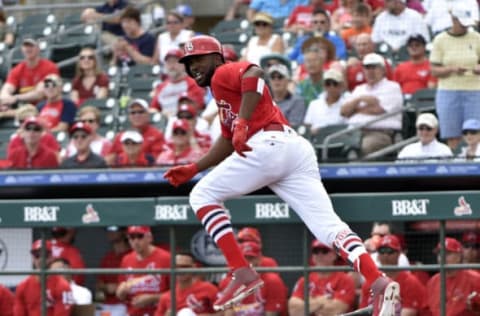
x,y
140,102
463,14
134,136
373,59
280,68
333,74
427,119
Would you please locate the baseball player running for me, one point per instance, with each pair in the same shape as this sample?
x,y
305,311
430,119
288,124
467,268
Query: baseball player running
x,y
257,148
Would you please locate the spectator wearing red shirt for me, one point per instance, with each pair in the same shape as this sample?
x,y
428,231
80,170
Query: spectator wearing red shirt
x,y
471,247
271,299
57,112
191,294
300,20
142,291
58,292
251,234
330,293
166,94
180,150
133,154
24,82
89,81
16,140
413,293
7,301
34,154
415,74
153,139
107,283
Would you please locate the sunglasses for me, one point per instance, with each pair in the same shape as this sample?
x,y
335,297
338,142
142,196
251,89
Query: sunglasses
x,y
385,251
370,66
34,128
173,22
130,143
89,57
332,83
424,128
49,84
136,236
80,136
89,121
136,112
323,251
319,22
276,77
469,131
262,24
179,132
37,254
187,116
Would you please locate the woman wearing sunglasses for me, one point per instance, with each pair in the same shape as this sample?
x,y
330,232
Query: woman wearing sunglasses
x,y
89,81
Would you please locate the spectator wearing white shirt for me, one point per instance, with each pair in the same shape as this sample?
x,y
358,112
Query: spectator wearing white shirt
x,y
377,97
471,136
428,146
397,23
438,12
325,110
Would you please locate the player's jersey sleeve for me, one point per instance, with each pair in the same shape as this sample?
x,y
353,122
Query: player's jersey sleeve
x,y
19,307
276,297
298,289
345,289
163,304
63,298
412,293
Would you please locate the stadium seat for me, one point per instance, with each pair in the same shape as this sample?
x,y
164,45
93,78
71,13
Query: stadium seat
x,y
343,148
235,25
424,100
5,134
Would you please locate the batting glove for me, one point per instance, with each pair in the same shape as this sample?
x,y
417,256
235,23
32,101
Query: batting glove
x,y
473,302
239,140
181,174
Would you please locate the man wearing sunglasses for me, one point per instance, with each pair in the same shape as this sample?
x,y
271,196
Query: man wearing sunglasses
x,y
330,293
142,291
413,294
428,147
471,247
58,291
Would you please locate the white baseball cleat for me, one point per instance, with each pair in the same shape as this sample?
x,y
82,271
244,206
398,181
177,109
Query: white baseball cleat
x,y
386,297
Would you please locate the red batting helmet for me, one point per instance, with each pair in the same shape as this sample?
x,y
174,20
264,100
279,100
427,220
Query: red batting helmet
x,y
201,45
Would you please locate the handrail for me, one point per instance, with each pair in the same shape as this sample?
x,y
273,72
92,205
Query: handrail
x,y
389,149
328,138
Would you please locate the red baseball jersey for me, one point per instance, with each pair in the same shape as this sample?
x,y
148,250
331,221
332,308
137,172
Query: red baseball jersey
x,y
412,293
413,77
226,86
153,141
27,297
47,139
272,297
43,158
355,75
72,254
199,297
268,262
24,78
337,285
111,260
170,157
149,283
459,286
7,300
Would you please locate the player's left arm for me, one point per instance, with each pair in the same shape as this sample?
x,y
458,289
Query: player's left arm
x,y
252,89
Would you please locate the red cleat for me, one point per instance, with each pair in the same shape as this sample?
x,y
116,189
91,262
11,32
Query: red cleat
x,y
386,297
243,283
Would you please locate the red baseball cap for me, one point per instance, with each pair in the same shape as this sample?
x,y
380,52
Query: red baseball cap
x,y
316,244
174,52
471,238
251,249
138,230
181,124
390,241
451,244
37,245
184,107
249,234
32,120
80,126
229,54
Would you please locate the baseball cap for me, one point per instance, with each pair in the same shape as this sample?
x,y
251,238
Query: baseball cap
x,y
174,52
53,78
281,69
229,53
427,119
333,74
80,126
32,120
29,39
317,244
37,245
134,136
416,38
390,241
451,244
471,124
263,17
251,249
138,230
373,59
249,234
277,58
463,14
471,238
140,102
184,9
181,124
187,108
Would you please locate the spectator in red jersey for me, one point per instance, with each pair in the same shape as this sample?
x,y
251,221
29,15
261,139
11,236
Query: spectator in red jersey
x,y
471,247
16,139
413,293
133,154
271,299
7,301
300,20
251,234
166,94
192,295
142,291
415,74
107,283
153,139
62,247
330,293
24,83
89,81
180,150
58,292
461,285
33,154
57,112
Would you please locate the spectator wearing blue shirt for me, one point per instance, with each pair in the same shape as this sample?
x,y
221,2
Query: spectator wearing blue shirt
x,y
321,27
275,8
111,28
137,46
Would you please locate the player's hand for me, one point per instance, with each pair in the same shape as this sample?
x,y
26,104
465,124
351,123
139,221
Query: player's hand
x,y
473,301
181,174
239,140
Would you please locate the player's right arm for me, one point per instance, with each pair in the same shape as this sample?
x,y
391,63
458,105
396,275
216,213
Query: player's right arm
x,y
19,308
221,149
